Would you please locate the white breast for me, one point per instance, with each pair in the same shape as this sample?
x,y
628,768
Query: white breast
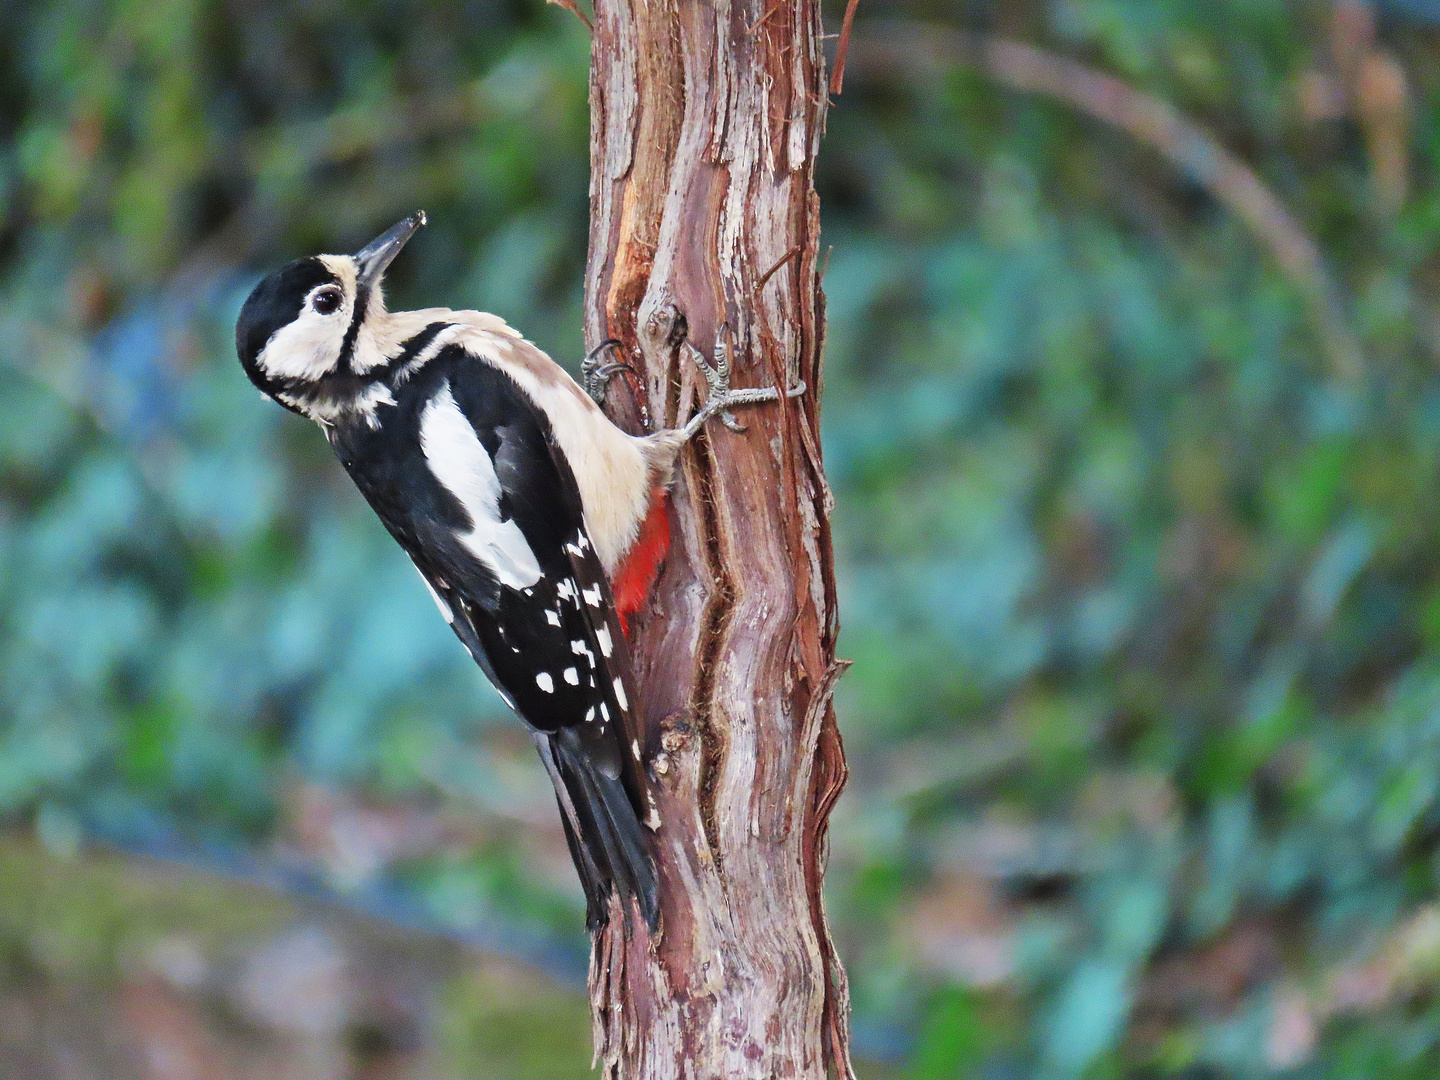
x,y
454,454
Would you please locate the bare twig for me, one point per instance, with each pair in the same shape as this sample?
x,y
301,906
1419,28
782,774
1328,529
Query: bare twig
x,y
570,5
883,49
778,264
768,12
837,77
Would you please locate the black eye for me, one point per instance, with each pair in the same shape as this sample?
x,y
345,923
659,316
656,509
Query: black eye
x,y
326,301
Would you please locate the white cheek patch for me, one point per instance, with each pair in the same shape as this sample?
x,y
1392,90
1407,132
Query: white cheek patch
x,y
458,460
308,347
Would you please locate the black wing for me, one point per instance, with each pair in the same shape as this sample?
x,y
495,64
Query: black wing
x,y
551,645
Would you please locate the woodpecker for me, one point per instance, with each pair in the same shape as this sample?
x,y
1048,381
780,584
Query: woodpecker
x,y
535,522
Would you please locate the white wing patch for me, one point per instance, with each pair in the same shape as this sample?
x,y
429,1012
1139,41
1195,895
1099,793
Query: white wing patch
x,y
454,454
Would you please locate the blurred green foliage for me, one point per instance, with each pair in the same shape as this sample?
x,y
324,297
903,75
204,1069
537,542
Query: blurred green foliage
x,y
1145,601
197,614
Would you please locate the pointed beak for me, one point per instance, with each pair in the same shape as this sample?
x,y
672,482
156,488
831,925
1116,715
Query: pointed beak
x,y
374,257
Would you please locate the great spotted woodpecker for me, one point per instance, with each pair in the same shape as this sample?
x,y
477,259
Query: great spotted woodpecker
x,y
537,524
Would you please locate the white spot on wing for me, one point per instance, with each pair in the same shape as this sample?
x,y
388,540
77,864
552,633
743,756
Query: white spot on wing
x,y
620,694
593,598
572,676
454,454
603,635
552,617
545,682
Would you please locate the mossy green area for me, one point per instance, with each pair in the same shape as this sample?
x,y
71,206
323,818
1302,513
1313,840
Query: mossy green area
x,y
93,916
124,951
504,1023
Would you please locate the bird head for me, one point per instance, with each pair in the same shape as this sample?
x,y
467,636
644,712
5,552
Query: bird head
x,y
309,334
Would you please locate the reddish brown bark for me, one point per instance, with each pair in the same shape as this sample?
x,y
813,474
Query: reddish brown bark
x,y
705,225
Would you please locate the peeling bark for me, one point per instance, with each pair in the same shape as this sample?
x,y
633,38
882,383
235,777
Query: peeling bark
x,y
705,121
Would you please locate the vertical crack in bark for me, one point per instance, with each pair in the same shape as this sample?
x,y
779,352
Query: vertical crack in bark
x,y
713,730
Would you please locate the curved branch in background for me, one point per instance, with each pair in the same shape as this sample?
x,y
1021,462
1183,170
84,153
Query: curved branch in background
x,y
884,49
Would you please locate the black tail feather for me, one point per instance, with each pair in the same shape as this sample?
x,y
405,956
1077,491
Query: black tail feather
x,y
602,826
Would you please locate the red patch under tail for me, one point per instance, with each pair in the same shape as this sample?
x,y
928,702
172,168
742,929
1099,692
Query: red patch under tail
x,y
641,564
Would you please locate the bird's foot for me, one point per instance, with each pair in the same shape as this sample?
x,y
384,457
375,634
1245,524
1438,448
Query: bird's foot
x,y
721,398
595,373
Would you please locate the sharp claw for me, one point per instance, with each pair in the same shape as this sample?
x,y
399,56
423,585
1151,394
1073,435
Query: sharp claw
x,y
592,358
595,375
609,371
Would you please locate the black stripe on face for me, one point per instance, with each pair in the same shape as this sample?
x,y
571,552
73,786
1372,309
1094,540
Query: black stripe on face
x,y
347,347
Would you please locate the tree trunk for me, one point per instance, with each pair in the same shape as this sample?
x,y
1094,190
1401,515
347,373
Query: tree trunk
x,y
705,228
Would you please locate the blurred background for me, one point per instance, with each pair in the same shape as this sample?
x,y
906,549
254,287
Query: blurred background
x,y
1133,415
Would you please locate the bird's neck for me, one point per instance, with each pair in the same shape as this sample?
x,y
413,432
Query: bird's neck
x,y
388,347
